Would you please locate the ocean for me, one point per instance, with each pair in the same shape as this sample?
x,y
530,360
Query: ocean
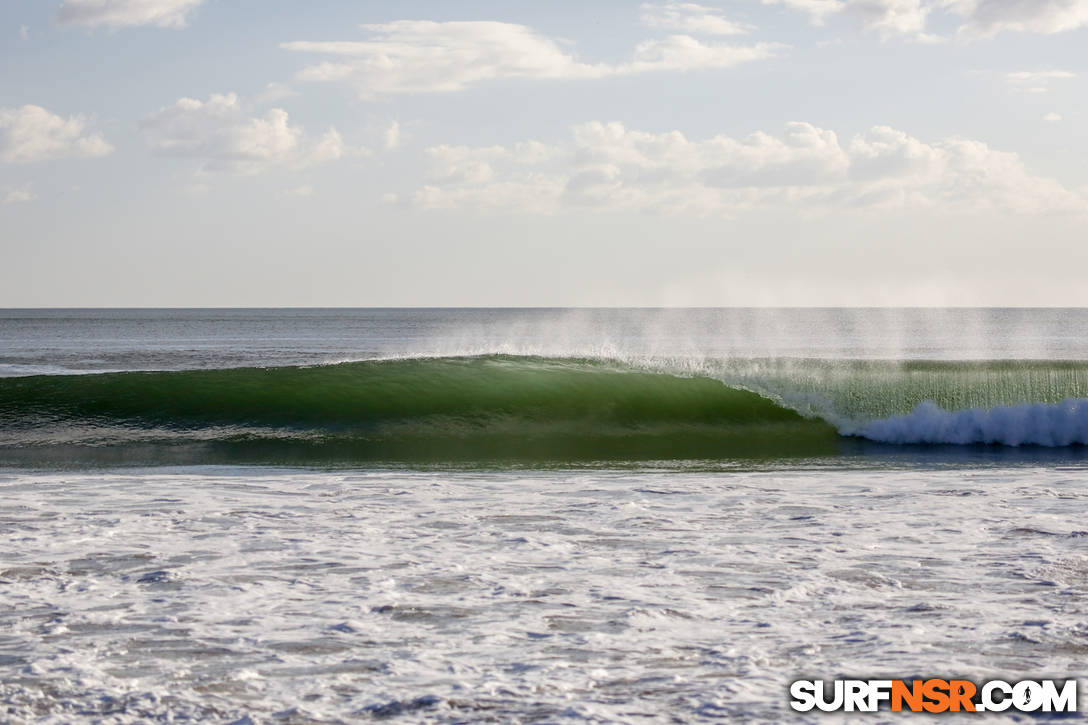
x,y
532,515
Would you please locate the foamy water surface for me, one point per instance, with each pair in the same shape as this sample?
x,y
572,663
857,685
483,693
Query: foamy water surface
x,y
268,595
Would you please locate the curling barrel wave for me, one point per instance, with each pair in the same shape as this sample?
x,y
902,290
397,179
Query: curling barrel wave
x,y
535,409
491,407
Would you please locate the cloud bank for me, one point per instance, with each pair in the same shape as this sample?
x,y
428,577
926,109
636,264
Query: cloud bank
x,y
977,18
608,166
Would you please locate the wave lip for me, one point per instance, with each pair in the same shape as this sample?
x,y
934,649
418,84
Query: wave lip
x,y
1028,424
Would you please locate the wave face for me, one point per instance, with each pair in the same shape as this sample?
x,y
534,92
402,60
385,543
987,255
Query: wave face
x,y
480,408
499,407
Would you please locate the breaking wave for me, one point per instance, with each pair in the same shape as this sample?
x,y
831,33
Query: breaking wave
x,y
497,407
1037,424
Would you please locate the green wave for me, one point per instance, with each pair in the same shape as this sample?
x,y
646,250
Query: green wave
x,y
479,408
498,408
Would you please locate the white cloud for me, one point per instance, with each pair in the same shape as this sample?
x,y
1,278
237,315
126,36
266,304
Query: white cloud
x,y
1036,81
18,196
274,92
31,133
886,17
685,53
889,17
126,13
818,10
690,18
24,32
1052,117
978,18
608,166
392,135
1038,76
226,137
988,17
419,56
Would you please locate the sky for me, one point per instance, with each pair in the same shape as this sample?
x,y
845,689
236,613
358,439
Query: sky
x,y
267,153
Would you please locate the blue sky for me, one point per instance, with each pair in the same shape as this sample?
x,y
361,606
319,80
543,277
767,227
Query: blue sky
x,y
739,152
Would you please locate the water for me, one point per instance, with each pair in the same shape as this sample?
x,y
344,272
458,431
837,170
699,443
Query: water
x,y
51,341
547,515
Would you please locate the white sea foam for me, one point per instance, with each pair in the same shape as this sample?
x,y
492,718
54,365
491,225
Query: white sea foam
x,y
262,595
1058,424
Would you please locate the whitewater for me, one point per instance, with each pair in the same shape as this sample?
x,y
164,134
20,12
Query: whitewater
x,y
532,515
